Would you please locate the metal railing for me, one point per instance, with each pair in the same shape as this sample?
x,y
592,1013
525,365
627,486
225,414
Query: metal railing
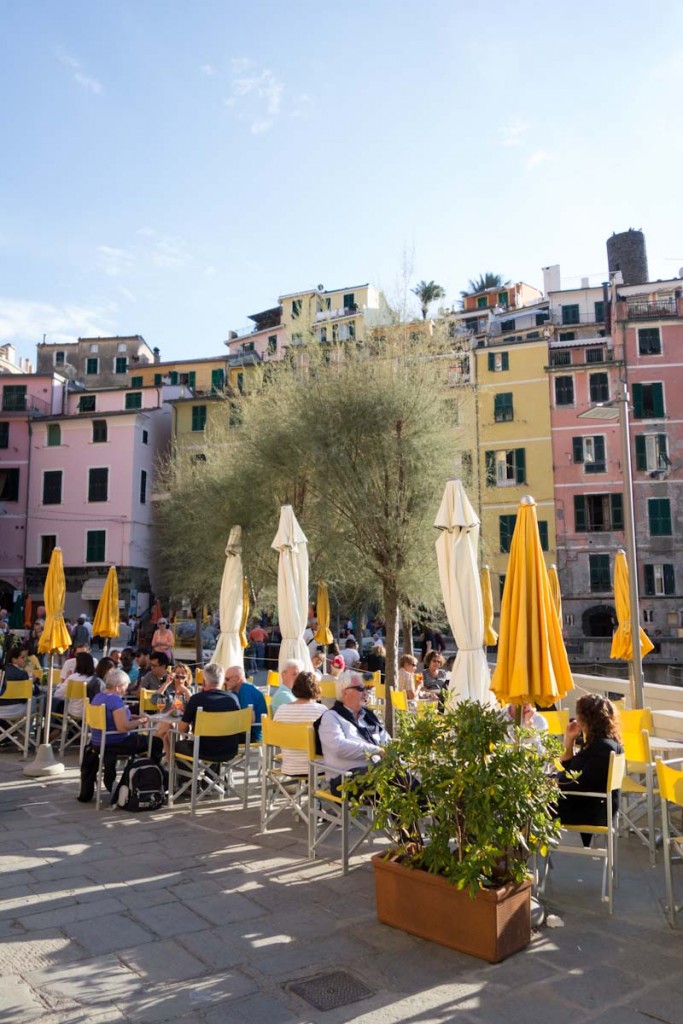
x,y
651,310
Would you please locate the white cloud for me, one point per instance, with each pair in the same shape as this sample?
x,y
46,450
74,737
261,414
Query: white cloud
x,y
24,321
256,93
512,134
541,156
208,70
170,254
114,262
86,82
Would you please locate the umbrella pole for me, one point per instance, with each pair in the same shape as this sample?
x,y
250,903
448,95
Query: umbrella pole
x,y
44,762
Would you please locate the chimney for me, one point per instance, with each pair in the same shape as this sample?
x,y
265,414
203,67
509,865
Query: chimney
x,y
552,281
157,355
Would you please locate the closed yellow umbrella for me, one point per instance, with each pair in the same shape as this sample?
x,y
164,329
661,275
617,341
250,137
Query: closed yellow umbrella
x,y
106,621
532,660
555,591
54,639
490,635
323,634
245,613
622,641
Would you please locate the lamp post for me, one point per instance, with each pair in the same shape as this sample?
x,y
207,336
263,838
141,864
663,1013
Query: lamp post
x,y
615,409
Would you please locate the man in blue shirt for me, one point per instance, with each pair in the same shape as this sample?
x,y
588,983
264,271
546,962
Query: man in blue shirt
x,y
288,673
249,696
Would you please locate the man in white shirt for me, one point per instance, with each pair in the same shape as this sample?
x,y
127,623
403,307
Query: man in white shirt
x,y
350,734
350,654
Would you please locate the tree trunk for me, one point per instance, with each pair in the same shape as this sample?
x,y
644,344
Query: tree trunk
x,y
408,647
198,645
391,617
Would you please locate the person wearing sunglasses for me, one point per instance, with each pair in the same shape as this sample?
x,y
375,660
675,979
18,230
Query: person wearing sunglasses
x,y
350,734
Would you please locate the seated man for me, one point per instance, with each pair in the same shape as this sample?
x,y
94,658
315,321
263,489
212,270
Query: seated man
x,y
119,722
139,669
350,734
288,673
15,669
210,698
248,695
158,671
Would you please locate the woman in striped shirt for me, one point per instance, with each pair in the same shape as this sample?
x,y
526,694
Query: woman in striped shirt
x,y
305,708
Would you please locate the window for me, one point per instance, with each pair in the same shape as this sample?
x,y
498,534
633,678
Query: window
x,y
94,348
92,366
60,358
591,452
598,387
98,484
482,302
48,542
564,391
649,616
54,435
659,580
4,435
561,357
507,326
145,437
240,383
595,355
52,487
272,344
350,301
322,335
143,487
217,381
652,452
659,515
506,528
503,298
505,468
99,431
14,398
296,308
136,382
158,379
570,314
543,533
351,326
121,347
567,336
649,341
466,468
648,401
501,585
502,407
199,457
568,619
198,417
9,484
598,513
134,400
86,403
121,364
600,312
95,545
499,361
599,573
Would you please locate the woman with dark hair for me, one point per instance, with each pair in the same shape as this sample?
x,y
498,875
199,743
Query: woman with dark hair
x,y
85,668
597,720
96,682
304,708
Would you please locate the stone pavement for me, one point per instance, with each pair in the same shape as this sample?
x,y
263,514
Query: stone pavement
x,y
115,917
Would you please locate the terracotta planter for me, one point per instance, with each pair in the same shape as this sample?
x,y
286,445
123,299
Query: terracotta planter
x,y
493,926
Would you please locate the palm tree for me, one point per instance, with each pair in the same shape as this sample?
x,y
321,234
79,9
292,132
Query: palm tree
x,y
428,292
486,280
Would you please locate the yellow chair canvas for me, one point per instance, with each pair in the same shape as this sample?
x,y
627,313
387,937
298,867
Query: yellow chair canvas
x,y
73,725
280,791
216,777
18,728
670,782
557,721
638,789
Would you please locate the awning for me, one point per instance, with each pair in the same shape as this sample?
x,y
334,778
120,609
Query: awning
x,y
92,588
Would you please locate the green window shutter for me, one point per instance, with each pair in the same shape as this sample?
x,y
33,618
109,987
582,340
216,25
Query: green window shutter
x,y
660,517
641,452
492,360
490,469
657,393
579,514
192,378
520,466
174,376
136,382
617,504
637,392
506,528
669,580
505,360
663,447
157,380
649,577
543,533
599,448
577,449
599,312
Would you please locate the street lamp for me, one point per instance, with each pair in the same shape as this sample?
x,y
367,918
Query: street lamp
x,y
617,409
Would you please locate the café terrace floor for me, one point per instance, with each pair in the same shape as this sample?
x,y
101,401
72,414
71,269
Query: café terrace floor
x,y
117,917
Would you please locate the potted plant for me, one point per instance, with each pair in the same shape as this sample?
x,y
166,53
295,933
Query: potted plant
x,y
467,804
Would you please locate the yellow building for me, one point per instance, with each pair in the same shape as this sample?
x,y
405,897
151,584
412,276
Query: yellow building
x,y
204,376
343,314
192,419
514,445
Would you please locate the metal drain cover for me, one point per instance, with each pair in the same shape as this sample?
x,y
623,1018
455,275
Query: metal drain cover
x,y
328,991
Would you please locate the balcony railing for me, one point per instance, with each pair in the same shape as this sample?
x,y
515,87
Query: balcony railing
x,y
651,310
25,403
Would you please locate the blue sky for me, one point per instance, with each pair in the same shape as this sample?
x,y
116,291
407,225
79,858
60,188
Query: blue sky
x,y
170,166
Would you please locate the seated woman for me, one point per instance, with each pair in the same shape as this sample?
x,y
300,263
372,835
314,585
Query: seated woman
x,y
597,720
119,721
96,681
376,660
305,708
406,676
433,678
176,691
531,719
85,669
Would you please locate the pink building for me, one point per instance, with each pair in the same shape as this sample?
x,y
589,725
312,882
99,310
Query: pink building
x,y
27,401
91,481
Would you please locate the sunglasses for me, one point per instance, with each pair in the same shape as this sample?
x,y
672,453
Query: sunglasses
x,y
359,689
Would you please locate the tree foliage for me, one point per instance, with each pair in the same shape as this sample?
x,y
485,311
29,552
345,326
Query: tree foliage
x,y
486,280
428,292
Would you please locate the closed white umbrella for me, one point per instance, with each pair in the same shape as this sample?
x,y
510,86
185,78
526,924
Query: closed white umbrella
x,y
229,651
292,588
456,553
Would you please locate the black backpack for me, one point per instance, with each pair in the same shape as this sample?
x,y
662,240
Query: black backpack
x,y
141,787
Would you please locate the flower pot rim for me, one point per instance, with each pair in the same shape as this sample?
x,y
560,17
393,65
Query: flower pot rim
x,y
384,860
